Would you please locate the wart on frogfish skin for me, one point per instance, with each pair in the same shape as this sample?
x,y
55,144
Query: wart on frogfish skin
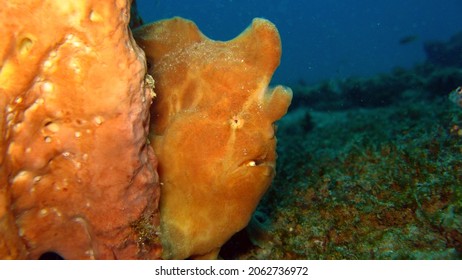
x,y
456,96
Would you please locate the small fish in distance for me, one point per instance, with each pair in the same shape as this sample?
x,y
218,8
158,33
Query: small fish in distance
x,y
408,39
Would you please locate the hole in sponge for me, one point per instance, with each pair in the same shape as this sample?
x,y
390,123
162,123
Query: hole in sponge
x,y
52,126
25,45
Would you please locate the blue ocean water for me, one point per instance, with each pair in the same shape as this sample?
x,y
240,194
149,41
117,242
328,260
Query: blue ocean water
x,y
325,39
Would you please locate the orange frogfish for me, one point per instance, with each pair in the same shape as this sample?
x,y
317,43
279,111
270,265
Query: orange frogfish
x,y
212,129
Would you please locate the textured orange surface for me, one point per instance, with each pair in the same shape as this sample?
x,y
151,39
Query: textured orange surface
x,y
76,174
212,129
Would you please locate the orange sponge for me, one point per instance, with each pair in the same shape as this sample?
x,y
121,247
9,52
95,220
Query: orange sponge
x,y
77,176
212,128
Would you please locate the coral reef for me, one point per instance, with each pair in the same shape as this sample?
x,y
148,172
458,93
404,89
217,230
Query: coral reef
x,y
377,183
212,129
77,176
439,74
424,81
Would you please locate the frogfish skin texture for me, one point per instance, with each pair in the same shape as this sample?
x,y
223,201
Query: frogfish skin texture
x,y
77,176
212,129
